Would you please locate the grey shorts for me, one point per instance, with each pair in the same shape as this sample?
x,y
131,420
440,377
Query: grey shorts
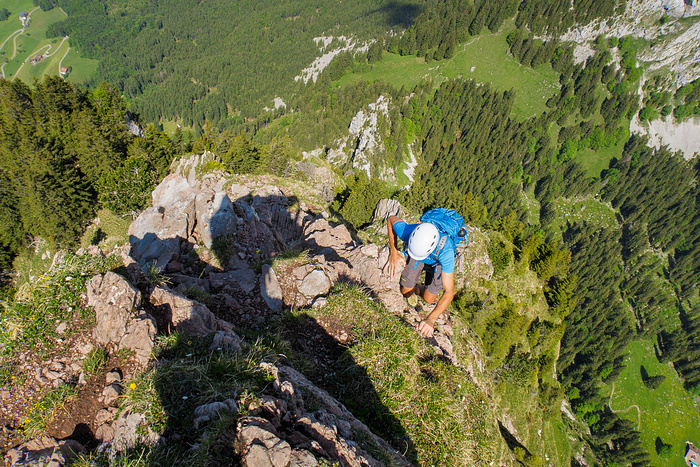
x,y
411,274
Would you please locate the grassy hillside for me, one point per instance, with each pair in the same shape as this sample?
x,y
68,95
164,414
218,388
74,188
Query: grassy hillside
x,y
668,411
484,58
57,52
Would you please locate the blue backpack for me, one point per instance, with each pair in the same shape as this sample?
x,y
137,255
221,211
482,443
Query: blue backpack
x,y
449,223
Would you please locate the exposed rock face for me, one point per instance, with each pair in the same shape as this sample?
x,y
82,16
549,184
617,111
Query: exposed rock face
x,y
215,216
330,430
683,136
312,71
258,221
155,234
679,53
120,321
364,142
45,452
185,315
271,289
257,438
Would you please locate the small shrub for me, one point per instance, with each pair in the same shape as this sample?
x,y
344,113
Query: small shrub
x,y
527,459
209,167
653,382
500,256
127,189
357,202
663,449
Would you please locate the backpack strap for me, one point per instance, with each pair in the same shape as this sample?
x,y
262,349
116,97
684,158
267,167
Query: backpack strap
x,y
441,243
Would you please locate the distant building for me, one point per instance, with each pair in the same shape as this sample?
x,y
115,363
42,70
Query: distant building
x,y
24,18
36,59
63,72
692,455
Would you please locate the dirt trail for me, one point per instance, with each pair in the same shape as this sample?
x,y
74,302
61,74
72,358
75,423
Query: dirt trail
x,y
639,411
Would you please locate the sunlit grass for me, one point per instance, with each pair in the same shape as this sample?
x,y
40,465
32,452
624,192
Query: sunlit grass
x,y
425,405
484,58
46,409
111,230
669,411
45,299
588,209
33,41
94,361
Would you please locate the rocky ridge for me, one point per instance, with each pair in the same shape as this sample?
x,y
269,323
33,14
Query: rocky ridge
x,y
675,44
359,149
206,232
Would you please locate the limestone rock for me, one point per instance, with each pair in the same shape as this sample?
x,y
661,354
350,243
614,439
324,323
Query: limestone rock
x,y
339,448
302,458
334,421
115,302
185,314
44,452
156,232
314,284
226,340
127,432
386,208
140,337
104,432
105,415
320,234
262,446
271,289
111,393
113,377
243,279
365,135
300,272
204,413
215,216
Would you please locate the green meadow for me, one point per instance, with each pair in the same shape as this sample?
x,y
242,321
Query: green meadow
x,y
12,23
18,47
589,210
485,59
669,411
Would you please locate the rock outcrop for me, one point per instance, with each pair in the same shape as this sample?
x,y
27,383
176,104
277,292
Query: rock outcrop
x,y
120,320
363,146
45,451
205,237
674,43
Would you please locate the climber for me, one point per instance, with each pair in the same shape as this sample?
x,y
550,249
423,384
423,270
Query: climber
x,y
422,240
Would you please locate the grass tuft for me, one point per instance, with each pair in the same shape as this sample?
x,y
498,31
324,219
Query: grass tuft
x,y
293,254
44,411
95,361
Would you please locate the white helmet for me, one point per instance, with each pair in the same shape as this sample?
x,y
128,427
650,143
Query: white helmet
x,y
423,241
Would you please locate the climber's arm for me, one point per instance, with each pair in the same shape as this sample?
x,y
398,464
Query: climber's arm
x,y
396,260
427,326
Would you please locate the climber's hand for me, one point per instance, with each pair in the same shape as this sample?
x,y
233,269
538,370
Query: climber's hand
x,y
395,262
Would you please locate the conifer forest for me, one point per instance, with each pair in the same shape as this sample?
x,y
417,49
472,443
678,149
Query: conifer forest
x,y
65,152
